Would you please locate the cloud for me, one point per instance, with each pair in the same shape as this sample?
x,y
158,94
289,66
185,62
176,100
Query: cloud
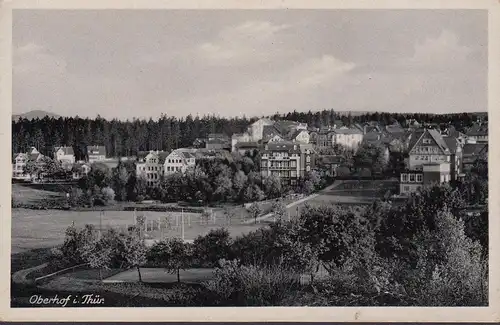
x,y
252,41
439,53
34,59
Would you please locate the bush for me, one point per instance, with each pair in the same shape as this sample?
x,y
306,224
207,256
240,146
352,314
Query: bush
x,y
139,198
108,194
234,284
212,247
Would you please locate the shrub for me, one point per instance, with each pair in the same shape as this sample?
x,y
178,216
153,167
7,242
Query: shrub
x,y
234,284
108,194
212,247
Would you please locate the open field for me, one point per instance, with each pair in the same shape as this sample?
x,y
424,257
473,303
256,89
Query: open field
x,y
31,193
45,228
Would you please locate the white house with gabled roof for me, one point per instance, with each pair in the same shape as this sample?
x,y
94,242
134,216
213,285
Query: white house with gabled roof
x,y
179,161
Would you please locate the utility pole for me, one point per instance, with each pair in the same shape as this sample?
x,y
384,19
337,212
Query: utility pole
x,y
182,224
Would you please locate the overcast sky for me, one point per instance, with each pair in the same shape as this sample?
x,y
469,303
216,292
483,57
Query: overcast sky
x,y
129,64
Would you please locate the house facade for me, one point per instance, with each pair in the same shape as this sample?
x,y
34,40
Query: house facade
x,y
96,153
349,138
151,167
282,159
429,161
301,136
80,169
18,164
178,161
66,156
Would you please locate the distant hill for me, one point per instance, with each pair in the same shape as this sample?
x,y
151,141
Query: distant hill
x,y
34,114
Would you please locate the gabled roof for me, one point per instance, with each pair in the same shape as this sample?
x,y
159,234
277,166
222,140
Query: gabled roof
x,y
295,133
452,143
96,150
283,146
417,135
66,150
474,149
439,140
34,156
478,129
270,131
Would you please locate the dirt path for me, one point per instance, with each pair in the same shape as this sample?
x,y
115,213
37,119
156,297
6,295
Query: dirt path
x,y
291,205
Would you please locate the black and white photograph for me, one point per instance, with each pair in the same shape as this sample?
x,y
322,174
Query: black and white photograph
x,y
284,157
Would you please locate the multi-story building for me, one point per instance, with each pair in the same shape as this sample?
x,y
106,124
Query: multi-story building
x,y
478,133
473,152
65,155
301,136
179,161
455,147
283,160
349,138
21,159
151,167
431,173
429,161
96,153
307,158
18,164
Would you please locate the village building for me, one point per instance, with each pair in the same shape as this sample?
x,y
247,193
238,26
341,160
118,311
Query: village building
x,y
150,167
96,153
478,133
178,161
429,161
80,169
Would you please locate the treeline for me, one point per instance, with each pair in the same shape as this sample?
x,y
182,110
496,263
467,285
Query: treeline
x,y
125,138
211,181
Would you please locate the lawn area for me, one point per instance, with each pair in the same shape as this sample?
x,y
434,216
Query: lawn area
x,y
26,193
33,229
158,275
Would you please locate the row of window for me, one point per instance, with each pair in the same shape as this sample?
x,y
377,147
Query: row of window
x,y
407,188
173,169
412,178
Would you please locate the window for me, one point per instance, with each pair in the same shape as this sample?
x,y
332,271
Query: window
x,y
406,189
308,159
442,178
404,177
426,141
419,178
308,168
412,178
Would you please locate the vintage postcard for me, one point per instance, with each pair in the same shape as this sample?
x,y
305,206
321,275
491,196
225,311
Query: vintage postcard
x,y
206,160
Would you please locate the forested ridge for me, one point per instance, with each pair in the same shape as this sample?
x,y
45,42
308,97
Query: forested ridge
x,y
125,138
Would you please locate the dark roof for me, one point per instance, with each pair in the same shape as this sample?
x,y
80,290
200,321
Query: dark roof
x,y
186,154
418,134
96,150
282,146
295,133
243,145
34,156
162,156
270,131
217,141
394,128
330,159
478,129
452,143
439,139
474,149
66,150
